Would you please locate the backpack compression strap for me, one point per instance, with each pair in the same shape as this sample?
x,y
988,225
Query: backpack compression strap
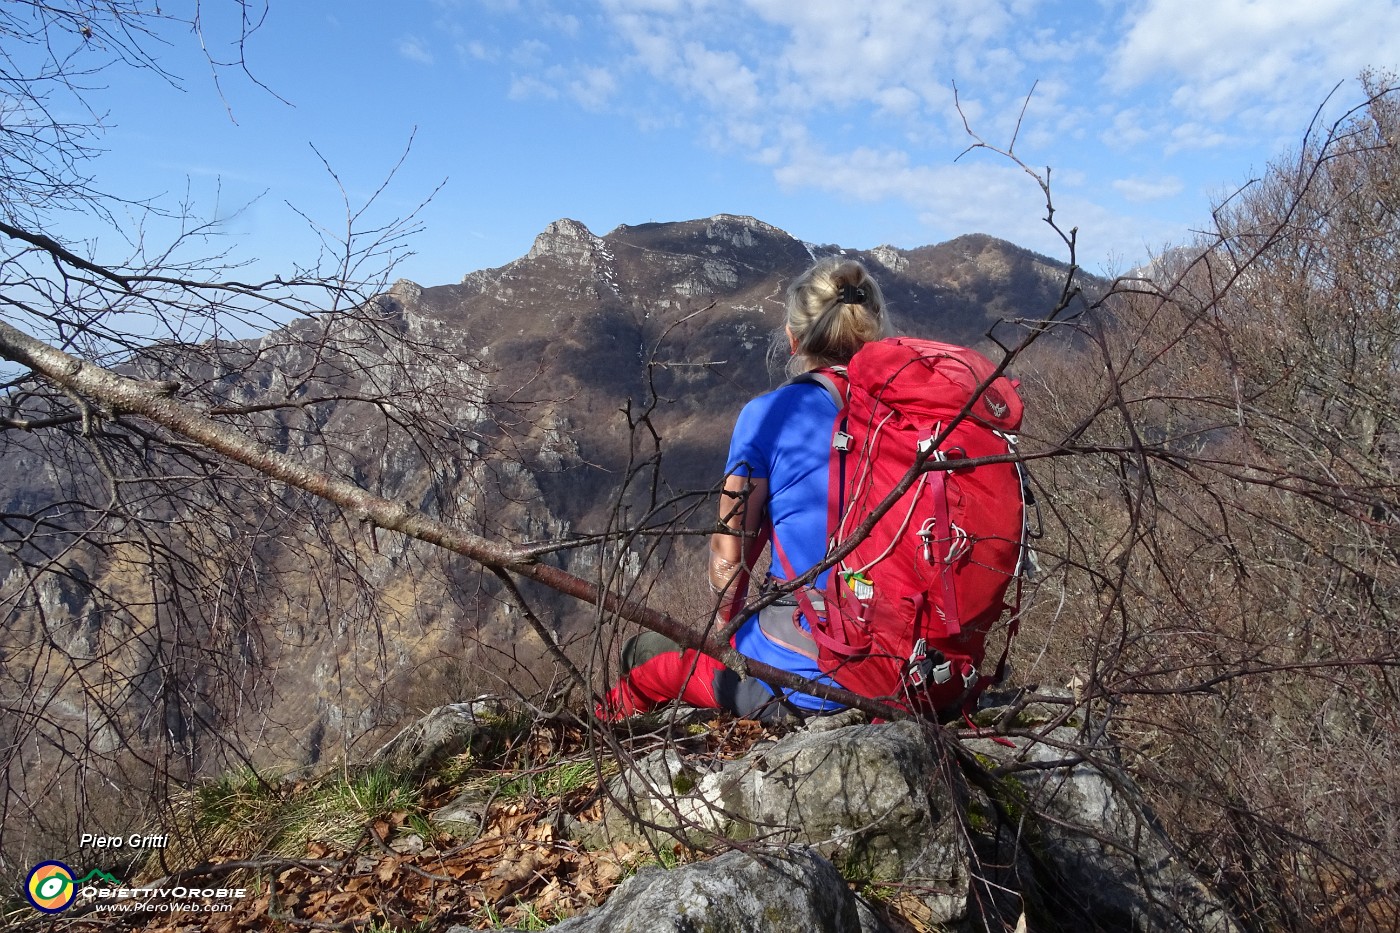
x,y
823,619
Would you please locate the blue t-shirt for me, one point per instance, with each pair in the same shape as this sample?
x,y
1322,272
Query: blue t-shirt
x,y
784,436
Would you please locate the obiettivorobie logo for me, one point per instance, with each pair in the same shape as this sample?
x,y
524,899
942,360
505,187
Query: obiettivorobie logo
x,y
52,888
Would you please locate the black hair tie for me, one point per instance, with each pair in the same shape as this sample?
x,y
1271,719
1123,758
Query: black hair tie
x,y
851,295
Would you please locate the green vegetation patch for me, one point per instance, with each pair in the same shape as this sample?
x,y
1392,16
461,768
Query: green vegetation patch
x,y
245,812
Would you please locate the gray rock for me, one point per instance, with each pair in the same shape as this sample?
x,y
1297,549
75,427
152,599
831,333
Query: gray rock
x,y
863,796
461,816
1111,864
777,891
866,797
445,731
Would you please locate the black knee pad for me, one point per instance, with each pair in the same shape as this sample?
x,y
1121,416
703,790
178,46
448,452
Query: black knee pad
x,y
639,649
750,698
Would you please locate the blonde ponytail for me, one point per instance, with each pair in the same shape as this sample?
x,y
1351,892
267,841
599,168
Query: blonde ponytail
x,y
833,309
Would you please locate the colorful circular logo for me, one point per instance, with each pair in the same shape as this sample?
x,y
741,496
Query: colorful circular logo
x,y
50,887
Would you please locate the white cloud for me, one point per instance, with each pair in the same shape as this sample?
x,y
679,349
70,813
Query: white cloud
x,y
898,101
1195,136
415,50
664,7
1226,56
1148,189
525,87
803,59
950,198
836,54
981,193
593,88
1130,128
1044,44
566,23
479,51
721,78
530,53
855,101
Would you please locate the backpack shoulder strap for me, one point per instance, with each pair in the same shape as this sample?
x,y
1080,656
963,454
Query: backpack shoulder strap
x,y
831,378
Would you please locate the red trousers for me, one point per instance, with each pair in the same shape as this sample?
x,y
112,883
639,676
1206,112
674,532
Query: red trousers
x,y
688,676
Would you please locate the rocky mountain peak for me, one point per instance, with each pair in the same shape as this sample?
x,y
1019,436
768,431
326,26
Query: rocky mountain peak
x,y
406,290
889,257
566,240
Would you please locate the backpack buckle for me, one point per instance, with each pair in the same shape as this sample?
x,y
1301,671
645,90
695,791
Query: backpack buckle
x,y
923,666
918,663
841,441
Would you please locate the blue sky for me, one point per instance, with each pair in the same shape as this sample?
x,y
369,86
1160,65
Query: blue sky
x,y
832,120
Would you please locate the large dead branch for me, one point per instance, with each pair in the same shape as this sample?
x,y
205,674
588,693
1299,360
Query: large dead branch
x,y
119,396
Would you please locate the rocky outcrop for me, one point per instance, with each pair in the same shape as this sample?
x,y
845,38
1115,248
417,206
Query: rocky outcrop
x,y
1057,839
567,241
860,795
445,731
1087,830
889,257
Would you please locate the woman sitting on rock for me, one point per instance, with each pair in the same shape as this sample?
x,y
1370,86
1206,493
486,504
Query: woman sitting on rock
x,y
775,481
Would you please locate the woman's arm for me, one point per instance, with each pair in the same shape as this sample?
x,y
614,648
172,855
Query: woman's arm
x,y
741,508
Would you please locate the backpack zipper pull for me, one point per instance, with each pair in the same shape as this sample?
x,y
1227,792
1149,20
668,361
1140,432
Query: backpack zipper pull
x,y
926,536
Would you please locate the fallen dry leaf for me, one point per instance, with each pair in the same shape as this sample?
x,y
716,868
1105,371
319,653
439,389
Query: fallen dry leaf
x,y
512,875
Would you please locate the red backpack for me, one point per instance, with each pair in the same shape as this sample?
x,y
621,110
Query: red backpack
x,y
904,616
